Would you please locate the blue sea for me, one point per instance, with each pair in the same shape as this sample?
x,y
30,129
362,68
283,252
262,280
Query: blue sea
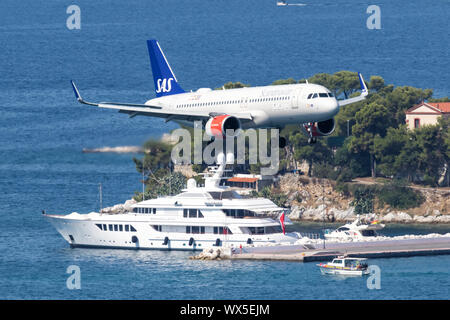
x,y
43,130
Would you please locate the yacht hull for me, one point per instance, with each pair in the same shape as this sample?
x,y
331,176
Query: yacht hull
x,y
86,234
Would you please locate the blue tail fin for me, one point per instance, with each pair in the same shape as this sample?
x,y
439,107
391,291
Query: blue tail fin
x,y
165,81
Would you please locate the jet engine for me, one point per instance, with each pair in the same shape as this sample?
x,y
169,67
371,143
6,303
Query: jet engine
x,y
218,126
319,129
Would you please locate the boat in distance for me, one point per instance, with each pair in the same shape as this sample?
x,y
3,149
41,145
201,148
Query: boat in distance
x,y
345,266
197,218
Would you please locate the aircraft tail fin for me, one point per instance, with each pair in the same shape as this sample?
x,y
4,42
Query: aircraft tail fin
x,y
165,81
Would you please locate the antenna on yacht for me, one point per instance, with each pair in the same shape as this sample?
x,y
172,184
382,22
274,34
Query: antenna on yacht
x,y
100,195
143,184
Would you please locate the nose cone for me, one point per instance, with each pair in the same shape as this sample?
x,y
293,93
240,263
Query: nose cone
x,y
334,106
330,107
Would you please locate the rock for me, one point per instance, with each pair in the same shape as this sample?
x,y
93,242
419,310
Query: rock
x,y
443,219
296,212
436,213
397,217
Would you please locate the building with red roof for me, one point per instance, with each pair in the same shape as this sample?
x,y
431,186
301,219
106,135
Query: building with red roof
x,y
426,113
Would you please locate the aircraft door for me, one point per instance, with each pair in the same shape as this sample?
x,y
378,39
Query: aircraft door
x,y
244,102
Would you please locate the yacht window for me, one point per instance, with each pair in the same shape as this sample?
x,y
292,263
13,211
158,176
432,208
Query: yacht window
x,y
120,227
154,210
185,213
342,229
338,261
216,230
116,227
127,227
200,214
202,229
104,227
110,227
273,229
192,213
368,233
195,229
157,227
132,229
188,229
135,210
99,226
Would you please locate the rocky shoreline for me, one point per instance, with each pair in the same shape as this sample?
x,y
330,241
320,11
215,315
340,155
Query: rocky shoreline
x,y
322,213
317,200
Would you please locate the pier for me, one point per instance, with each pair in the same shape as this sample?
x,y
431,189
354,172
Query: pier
x,y
367,249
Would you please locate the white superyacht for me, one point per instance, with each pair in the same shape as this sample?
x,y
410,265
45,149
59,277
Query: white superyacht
x,y
197,218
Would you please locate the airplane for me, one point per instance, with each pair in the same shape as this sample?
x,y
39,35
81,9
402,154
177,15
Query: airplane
x,y
310,105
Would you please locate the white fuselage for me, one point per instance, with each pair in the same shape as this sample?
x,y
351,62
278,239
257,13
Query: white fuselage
x,y
269,106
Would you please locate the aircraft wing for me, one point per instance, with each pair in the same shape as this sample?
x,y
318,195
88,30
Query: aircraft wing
x,y
133,109
364,93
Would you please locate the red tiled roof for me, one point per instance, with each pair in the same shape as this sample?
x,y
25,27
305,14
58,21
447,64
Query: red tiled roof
x,y
435,107
443,106
241,179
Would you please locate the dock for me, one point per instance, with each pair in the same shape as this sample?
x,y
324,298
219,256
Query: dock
x,y
368,249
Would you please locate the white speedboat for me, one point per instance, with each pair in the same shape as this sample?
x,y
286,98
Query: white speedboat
x,y
196,218
345,266
281,3
357,230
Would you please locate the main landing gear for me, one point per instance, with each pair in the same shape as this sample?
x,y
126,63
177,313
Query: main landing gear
x,y
312,140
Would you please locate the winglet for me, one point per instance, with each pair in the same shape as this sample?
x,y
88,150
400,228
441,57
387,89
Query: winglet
x,y
78,96
75,90
364,90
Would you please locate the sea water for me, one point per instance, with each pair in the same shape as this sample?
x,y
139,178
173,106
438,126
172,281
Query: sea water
x,y
43,131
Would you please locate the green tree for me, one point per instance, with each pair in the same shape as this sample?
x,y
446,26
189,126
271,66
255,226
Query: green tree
x,y
284,81
372,120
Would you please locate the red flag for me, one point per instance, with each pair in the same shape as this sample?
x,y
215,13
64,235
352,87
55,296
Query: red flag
x,y
282,222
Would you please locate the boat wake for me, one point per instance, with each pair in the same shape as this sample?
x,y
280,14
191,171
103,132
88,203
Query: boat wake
x,y
121,149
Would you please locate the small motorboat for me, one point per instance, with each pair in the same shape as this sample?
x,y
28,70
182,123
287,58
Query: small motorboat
x,y
281,3
355,231
345,266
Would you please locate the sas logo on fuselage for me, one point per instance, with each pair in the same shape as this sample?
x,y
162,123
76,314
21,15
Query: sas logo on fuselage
x,y
164,85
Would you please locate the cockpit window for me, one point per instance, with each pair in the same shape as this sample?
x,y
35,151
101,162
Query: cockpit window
x,y
310,95
330,95
323,95
315,95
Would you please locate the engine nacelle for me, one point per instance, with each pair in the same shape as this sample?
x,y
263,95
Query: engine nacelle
x,y
219,125
320,129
